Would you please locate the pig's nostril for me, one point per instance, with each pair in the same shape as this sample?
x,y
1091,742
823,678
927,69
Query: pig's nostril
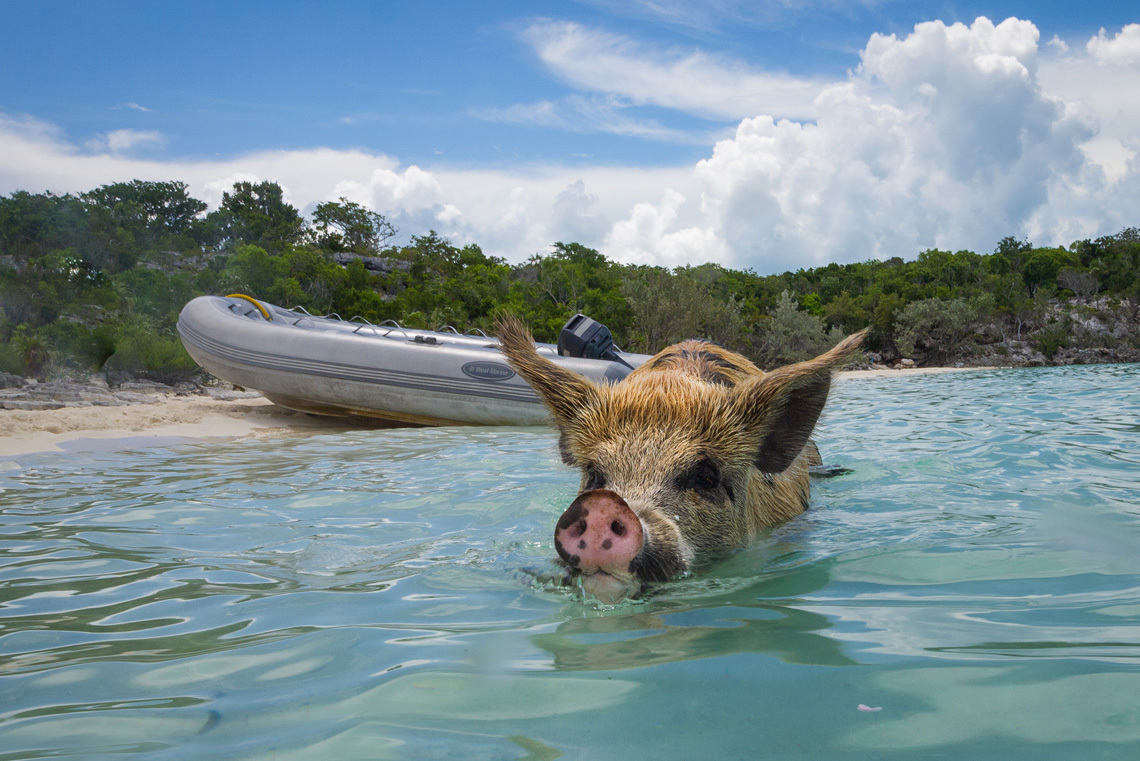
x,y
618,528
572,515
577,529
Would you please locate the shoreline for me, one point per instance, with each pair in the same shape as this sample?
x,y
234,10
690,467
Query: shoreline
x,y
150,419
890,372
152,422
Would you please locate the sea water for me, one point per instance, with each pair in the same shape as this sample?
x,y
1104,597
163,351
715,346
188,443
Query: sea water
x,y
970,590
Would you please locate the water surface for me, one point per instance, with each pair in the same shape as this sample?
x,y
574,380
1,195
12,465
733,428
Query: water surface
x,y
372,594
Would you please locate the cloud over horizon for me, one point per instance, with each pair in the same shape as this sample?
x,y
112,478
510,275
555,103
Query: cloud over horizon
x,y
953,136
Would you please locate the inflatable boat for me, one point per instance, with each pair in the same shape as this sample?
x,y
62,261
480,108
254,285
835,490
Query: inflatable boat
x,y
329,366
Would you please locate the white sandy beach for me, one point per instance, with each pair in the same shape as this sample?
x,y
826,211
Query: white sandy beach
x,y
27,431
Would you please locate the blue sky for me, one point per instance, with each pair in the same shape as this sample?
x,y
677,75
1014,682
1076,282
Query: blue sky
x,y
762,135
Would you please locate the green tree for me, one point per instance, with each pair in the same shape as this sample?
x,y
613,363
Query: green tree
x,y
1011,254
160,207
257,214
670,307
1043,265
347,226
572,278
253,270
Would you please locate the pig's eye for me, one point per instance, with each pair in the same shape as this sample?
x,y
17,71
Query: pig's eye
x,y
702,477
594,478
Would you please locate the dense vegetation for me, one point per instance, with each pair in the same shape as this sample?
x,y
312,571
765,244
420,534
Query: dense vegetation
x,y
96,281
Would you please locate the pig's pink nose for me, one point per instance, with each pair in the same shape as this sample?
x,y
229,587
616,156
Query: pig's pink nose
x,y
599,532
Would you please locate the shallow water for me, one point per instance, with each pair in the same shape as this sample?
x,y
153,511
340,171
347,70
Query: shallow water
x,y
371,594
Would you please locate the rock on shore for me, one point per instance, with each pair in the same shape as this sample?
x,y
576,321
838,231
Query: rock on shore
x,y
17,393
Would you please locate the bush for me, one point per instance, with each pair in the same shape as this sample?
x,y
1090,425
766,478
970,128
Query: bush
x,y
30,349
10,361
791,335
141,347
1082,283
72,344
1051,338
935,327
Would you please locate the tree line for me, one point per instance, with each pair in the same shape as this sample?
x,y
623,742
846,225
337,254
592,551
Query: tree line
x,y
95,281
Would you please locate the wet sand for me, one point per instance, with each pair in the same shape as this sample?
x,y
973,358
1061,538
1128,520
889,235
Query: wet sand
x,y
27,431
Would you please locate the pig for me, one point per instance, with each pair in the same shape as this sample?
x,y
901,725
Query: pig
x,y
696,450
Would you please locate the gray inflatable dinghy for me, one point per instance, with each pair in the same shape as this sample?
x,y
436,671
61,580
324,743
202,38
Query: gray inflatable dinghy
x,y
329,366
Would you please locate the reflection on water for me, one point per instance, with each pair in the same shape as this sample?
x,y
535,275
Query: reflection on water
x,y
372,594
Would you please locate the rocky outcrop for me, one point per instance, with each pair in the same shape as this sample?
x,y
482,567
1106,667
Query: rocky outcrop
x,y
18,393
381,264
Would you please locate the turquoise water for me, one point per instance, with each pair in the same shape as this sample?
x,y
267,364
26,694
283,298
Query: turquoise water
x,y
373,594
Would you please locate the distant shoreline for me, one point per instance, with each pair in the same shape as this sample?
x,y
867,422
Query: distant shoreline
x,y
134,419
890,372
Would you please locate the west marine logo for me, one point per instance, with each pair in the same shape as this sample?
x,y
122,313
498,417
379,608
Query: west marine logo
x,y
488,371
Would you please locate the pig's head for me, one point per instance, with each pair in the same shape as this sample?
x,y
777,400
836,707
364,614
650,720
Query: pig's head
x,y
696,450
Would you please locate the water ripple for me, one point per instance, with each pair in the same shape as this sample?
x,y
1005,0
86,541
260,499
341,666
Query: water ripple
x,y
390,593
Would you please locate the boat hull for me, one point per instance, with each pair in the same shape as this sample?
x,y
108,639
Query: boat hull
x,y
331,367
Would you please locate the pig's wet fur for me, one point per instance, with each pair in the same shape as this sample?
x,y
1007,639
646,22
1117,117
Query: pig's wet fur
x,y
705,450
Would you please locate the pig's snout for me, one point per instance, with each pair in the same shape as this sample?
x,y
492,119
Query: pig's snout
x,y
599,533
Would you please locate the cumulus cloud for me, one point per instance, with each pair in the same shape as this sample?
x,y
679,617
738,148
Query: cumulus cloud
x,y
690,81
649,235
1105,82
945,137
1123,49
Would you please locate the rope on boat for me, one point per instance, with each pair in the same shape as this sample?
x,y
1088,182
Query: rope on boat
x,y
251,300
359,321
362,322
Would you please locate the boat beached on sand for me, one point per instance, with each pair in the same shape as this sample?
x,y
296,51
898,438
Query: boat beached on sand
x,y
330,366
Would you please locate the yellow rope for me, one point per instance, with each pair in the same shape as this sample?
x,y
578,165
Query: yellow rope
x,y
253,301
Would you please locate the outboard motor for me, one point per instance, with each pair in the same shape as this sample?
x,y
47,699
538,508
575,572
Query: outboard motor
x,y
587,338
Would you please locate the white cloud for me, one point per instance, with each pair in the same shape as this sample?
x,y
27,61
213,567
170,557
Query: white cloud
x,y
648,236
945,137
690,81
519,212
951,136
1123,49
577,113
1102,83
577,215
122,140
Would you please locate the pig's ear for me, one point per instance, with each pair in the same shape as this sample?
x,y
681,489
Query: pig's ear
x,y
782,407
564,392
